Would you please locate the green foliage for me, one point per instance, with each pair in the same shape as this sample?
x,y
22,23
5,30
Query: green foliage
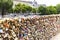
x,y
5,5
22,8
52,10
34,10
58,8
43,10
17,8
28,8
11,10
47,10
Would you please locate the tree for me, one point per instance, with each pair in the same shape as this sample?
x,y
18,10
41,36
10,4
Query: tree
x,y
52,10
34,10
43,10
11,10
58,8
5,5
22,8
18,8
28,8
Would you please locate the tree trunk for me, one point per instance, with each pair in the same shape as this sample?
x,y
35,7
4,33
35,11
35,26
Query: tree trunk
x,y
2,12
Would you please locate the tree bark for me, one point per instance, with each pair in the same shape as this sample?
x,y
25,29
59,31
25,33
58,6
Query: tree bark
x,y
2,12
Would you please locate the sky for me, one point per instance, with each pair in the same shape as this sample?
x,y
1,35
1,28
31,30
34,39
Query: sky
x,y
47,2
